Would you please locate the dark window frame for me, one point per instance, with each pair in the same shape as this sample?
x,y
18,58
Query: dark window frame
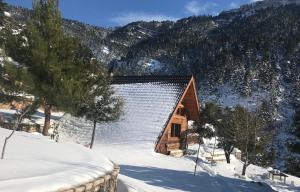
x,y
175,130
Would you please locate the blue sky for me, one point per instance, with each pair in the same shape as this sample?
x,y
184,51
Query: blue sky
x,y
109,13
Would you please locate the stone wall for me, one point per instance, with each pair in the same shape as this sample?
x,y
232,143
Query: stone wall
x,y
107,183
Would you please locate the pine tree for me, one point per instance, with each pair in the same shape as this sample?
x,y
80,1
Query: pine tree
x,y
11,72
101,104
226,133
209,115
53,60
2,9
249,136
13,77
222,121
293,159
297,122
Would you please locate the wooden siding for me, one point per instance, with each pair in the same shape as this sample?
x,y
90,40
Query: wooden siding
x,y
189,101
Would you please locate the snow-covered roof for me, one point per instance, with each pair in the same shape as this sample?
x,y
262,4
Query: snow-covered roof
x,y
149,102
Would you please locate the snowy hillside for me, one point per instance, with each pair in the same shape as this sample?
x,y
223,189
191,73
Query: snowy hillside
x,y
34,163
234,169
280,108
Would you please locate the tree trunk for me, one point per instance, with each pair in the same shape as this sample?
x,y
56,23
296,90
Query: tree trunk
x,y
213,153
228,150
5,142
16,125
47,113
197,158
244,169
93,135
186,141
227,155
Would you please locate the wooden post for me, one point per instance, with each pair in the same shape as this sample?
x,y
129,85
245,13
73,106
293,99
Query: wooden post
x,y
93,134
213,153
186,140
197,158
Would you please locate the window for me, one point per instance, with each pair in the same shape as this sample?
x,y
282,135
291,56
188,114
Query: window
x,y
175,130
180,111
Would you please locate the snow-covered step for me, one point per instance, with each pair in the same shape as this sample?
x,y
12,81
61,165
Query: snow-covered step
x,y
216,158
177,153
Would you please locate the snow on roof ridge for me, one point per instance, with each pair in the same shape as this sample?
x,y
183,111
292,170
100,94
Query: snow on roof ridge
x,y
176,79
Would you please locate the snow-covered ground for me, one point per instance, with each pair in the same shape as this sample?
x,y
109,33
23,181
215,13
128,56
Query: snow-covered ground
x,y
130,143
147,171
253,173
35,163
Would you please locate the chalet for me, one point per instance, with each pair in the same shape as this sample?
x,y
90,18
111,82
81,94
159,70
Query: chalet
x,y
155,114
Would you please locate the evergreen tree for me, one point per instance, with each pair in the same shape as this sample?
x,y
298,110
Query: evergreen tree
x,y
13,78
297,123
226,133
294,160
59,73
101,104
221,120
265,113
12,74
2,9
209,115
249,136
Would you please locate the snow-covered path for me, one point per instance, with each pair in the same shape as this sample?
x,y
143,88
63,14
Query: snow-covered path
x,y
147,171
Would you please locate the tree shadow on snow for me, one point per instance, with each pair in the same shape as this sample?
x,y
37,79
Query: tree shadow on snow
x,y
186,181
35,116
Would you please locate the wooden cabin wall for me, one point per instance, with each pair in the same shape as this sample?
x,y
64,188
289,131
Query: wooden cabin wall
x,y
161,147
174,143
191,106
167,142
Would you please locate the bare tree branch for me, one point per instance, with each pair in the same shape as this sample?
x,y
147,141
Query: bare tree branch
x,y
16,125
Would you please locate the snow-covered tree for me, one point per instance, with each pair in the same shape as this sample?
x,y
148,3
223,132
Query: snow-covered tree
x,y
101,105
293,159
221,120
208,116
